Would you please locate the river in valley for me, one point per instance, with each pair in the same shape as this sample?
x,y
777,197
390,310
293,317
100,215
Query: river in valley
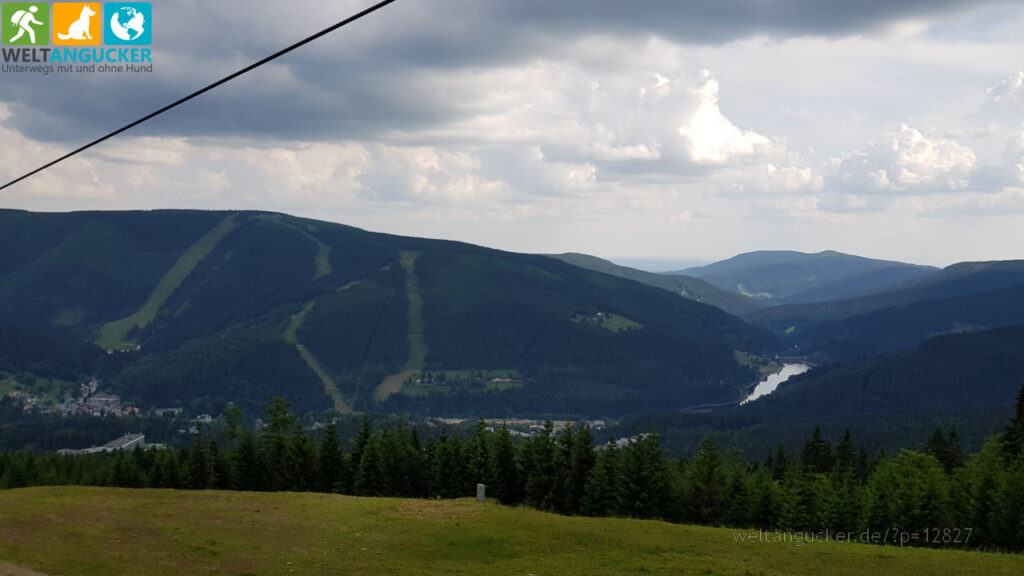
x,y
769,384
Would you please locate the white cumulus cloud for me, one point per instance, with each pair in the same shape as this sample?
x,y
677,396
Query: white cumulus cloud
x,y
906,160
711,137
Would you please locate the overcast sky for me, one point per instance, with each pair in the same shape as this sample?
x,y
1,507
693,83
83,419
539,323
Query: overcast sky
x,y
661,129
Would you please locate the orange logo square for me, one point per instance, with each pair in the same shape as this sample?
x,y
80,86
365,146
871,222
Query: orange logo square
x,y
77,23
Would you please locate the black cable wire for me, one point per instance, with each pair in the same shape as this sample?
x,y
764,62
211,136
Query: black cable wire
x,y
224,80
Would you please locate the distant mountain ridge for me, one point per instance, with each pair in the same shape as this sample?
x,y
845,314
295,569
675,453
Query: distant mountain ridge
x,y
963,297
685,286
789,277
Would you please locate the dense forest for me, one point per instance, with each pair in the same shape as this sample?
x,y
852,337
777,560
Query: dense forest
x,y
937,497
168,308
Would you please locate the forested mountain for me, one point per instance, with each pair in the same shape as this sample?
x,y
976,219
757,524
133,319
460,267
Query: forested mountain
x,y
963,377
175,307
685,286
967,296
787,277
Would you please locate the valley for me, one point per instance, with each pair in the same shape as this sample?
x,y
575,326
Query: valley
x,y
230,308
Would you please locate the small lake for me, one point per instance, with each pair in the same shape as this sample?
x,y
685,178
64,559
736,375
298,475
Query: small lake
x,y
769,384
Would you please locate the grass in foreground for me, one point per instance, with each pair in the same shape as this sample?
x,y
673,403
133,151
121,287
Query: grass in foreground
x,y
94,531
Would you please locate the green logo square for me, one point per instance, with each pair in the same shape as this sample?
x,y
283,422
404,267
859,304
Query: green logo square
x,y
26,24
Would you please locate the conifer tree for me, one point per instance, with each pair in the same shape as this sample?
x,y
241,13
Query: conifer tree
x,y
418,466
197,469
578,450
300,465
817,456
705,485
247,470
540,469
780,464
798,510
218,468
507,484
846,453
449,467
1013,437
330,461
369,477
478,458
361,440
395,462
644,486
956,452
600,495
764,499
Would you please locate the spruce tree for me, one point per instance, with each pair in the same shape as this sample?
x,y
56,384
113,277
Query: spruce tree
x,y
361,440
369,477
247,471
817,456
601,491
580,458
395,462
846,453
197,468
478,458
507,483
705,485
540,469
419,469
1013,437
449,467
644,485
218,468
330,461
301,461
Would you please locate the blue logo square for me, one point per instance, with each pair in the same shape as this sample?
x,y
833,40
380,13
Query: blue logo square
x,y
128,23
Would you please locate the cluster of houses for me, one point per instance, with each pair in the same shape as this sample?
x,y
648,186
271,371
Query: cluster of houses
x,y
99,404
521,427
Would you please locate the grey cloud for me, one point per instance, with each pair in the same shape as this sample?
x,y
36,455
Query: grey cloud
x,y
355,83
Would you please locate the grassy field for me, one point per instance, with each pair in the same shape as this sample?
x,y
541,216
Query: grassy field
x,y
7,384
114,335
105,531
452,375
610,322
417,346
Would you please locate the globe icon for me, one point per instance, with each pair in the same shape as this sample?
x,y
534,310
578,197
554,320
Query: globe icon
x,y
128,23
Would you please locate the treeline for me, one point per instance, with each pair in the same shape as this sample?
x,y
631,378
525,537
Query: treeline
x,y
938,495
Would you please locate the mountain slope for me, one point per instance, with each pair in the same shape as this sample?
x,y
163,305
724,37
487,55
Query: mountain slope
x,y
685,286
950,374
794,277
966,296
234,306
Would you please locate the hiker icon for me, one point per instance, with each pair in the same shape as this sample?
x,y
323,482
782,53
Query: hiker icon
x,y
24,20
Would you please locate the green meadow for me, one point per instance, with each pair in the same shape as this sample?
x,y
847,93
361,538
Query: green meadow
x,y
104,531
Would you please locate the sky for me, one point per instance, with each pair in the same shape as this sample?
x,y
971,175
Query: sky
x,y
657,129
